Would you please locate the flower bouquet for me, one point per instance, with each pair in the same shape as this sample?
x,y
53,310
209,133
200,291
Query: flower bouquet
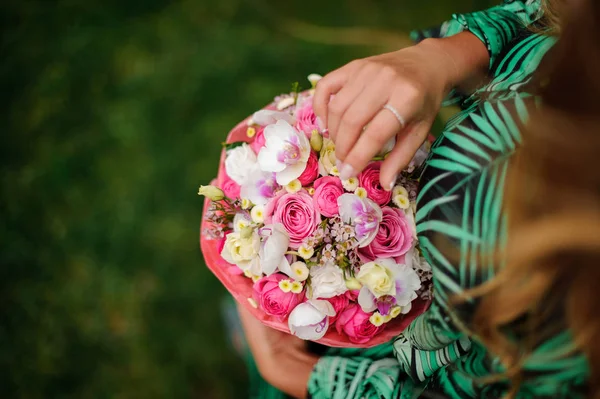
x,y
328,260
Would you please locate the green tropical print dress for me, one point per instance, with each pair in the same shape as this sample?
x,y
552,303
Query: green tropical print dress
x,y
460,198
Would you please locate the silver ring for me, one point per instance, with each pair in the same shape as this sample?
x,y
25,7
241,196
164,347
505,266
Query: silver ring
x,y
394,111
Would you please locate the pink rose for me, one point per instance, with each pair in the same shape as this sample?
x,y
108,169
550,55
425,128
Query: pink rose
x,y
297,214
230,188
394,237
356,325
327,191
352,295
306,120
369,180
339,303
259,140
312,170
272,300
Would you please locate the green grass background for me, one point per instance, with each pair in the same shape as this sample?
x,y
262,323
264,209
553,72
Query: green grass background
x,y
112,115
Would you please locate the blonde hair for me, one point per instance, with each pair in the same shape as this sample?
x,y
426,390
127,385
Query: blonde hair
x,y
551,278
550,10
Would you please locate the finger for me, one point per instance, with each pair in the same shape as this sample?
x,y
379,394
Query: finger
x,y
407,144
381,129
346,96
330,85
406,100
358,115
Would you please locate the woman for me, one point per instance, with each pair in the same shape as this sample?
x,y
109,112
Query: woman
x,y
525,329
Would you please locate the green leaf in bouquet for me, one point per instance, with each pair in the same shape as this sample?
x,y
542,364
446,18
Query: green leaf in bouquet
x,y
296,89
231,146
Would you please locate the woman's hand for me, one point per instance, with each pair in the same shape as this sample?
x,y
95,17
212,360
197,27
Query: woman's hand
x,y
281,358
413,81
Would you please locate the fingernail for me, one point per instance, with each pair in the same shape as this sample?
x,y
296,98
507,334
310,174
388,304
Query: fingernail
x,y
320,124
338,164
346,171
390,187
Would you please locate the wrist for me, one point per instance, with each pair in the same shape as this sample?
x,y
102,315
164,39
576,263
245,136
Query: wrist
x,y
290,372
463,58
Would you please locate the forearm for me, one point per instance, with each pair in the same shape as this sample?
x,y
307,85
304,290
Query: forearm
x,y
463,58
290,373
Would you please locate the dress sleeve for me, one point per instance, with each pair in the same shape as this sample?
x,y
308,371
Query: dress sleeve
x,y
496,27
357,374
394,370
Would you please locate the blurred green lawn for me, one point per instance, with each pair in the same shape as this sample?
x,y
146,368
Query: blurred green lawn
x,y
113,114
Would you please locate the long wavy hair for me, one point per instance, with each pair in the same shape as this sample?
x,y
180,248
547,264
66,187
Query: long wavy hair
x,y
550,280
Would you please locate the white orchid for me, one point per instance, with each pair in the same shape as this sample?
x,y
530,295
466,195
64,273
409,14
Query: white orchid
x,y
259,186
275,243
310,320
267,117
285,153
362,213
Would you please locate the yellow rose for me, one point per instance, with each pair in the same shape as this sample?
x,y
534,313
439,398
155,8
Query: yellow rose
x,y
240,249
327,157
378,279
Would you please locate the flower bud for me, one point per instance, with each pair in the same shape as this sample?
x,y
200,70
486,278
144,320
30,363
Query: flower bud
x,y
211,192
316,141
353,284
313,78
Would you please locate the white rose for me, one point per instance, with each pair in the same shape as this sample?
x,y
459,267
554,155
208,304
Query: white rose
x,y
239,162
377,278
327,158
327,281
241,248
